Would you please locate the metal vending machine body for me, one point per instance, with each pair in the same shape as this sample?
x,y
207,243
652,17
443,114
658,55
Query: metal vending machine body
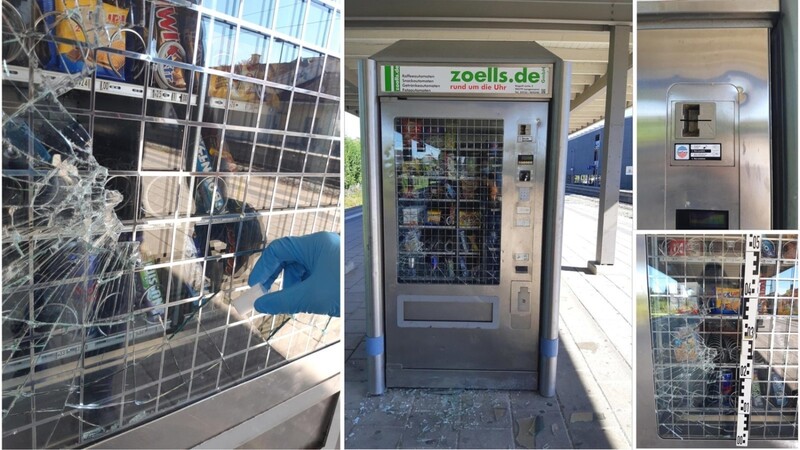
x,y
704,139
464,193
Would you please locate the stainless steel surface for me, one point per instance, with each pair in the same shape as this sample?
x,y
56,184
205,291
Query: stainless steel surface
x,y
307,416
649,402
504,349
308,429
448,311
614,129
646,435
760,8
373,227
783,67
728,67
334,437
572,13
554,226
205,419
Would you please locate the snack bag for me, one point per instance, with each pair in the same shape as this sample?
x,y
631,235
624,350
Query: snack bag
x,y
729,300
82,26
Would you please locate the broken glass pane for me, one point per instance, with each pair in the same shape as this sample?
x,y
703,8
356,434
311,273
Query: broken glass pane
x,y
696,305
128,228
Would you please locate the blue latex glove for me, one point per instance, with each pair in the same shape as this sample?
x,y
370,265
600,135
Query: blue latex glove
x,y
311,279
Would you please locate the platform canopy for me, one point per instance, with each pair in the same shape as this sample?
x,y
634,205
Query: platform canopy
x,y
576,30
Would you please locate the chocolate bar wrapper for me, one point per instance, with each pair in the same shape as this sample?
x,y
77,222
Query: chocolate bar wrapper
x,y
169,47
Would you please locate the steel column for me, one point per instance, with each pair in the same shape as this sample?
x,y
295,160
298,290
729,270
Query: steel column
x,y
553,231
373,233
612,144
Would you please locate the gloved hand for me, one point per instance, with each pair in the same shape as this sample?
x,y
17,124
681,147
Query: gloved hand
x,y
311,269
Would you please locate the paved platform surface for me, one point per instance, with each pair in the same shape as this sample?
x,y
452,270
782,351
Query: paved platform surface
x,y
592,408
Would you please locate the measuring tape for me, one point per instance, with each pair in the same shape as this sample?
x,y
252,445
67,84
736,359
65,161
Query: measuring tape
x,y
751,280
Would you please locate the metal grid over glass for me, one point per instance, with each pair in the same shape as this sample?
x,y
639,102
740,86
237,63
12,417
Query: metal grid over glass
x,y
695,303
150,151
449,180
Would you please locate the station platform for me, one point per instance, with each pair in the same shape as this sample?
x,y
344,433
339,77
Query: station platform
x,y
592,407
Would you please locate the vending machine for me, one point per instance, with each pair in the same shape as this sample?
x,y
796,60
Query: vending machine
x,y
470,136
717,340
709,117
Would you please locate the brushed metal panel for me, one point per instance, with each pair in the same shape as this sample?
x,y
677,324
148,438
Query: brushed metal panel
x,y
447,311
478,379
713,58
201,421
715,8
305,430
503,348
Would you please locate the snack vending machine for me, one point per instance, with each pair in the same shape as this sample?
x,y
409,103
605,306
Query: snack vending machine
x,y
709,118
151,150
717,340
470,137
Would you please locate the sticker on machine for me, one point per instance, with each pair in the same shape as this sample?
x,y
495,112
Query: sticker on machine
x,y
698,152
681,152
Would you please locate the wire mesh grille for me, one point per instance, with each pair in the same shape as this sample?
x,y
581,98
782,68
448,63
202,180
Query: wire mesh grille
x,y
695,300
449,196
150,151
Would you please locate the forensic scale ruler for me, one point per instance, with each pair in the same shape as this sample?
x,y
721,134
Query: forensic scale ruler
x,y
749,312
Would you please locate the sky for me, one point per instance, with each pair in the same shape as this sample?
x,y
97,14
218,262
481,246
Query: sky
x,y
352,128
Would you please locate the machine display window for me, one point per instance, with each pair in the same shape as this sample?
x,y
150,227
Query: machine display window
x,y
701,219
449,196
695,303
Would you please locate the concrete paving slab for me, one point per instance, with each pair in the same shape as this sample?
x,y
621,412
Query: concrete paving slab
x,y
414,438
533,429
351,340
485,409
485,439
354,391
358,302
355,370
391,409
532,401
361,436
438,400
356,326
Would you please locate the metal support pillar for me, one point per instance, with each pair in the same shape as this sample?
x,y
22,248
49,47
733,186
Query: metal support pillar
x,y
788,90
373,231
617,75
553,232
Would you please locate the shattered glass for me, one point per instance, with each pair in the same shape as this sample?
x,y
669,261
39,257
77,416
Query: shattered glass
x,y
695,300
449,197
132,213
